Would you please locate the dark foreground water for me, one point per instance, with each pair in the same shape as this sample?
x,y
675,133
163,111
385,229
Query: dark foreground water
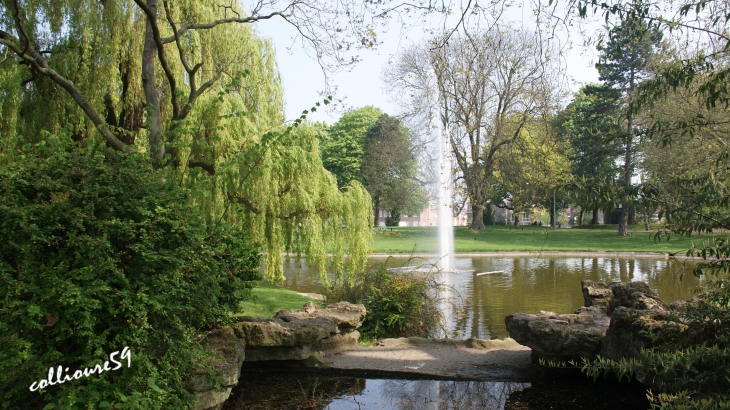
x,y
526,285
299,391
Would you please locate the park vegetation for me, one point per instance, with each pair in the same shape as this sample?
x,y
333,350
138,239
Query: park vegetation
x,y
147,167
376,150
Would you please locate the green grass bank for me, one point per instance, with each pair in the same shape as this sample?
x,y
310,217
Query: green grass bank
x,y
268,299
604,238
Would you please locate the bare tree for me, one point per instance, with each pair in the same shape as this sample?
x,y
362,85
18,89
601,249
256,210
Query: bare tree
x,y
491,83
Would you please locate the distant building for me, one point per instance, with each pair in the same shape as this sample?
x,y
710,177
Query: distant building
x,y
427,217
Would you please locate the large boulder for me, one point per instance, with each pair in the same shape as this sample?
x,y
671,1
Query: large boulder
x,y
634,295
297,334
564,337
346,315
634,329
560,338
230,353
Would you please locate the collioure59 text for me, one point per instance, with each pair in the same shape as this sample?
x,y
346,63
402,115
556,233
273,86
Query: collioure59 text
x,y
60,377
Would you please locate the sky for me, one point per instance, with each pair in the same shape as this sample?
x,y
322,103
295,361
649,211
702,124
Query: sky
x,y
303,79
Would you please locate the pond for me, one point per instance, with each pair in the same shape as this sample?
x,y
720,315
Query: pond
x,y
299,391
525,284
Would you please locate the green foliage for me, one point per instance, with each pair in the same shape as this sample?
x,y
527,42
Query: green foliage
x,y
282,196
393,219
590,123
389,167
399,304
529,169
343,149
541,216
100,252
623,64
626,53
228,147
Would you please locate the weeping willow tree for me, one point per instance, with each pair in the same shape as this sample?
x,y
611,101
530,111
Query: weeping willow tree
x,y
190,85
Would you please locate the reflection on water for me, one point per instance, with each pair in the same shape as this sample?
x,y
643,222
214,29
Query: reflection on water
x,y
527,285
428,394
309,391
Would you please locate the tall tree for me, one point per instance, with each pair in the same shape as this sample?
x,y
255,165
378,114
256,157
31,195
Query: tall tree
x,y
623,63
528,172
389,168
491,84
343,148
591,124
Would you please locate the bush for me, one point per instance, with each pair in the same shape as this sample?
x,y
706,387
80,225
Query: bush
x,y
100,253
397,304
393,219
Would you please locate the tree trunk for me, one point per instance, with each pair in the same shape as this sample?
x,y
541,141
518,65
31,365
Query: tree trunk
x,y
580,216
632,215
154,121
623,218
552,220
594,217
477,219
376,207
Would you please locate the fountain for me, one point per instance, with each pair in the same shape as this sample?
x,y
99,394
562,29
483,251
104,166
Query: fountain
x,y
445,189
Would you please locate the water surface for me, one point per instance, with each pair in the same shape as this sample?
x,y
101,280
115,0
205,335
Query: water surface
x,y
527,284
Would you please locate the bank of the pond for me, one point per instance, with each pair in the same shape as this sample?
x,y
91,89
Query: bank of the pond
x,y
267,299
533,239
543,254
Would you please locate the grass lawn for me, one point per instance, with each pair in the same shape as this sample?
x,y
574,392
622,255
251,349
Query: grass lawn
x,y
269,299
530,238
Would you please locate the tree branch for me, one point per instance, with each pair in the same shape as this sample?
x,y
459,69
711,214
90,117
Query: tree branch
x,y
39,64
152,18
207,26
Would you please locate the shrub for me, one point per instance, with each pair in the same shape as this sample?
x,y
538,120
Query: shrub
x,y
99,253
393,218
398,304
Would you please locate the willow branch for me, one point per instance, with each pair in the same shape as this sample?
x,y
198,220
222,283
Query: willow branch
x,y
209,168
19,24
257,211
180,51
195,93
39,64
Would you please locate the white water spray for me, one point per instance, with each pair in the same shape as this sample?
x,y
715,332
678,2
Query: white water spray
x,y
445,189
